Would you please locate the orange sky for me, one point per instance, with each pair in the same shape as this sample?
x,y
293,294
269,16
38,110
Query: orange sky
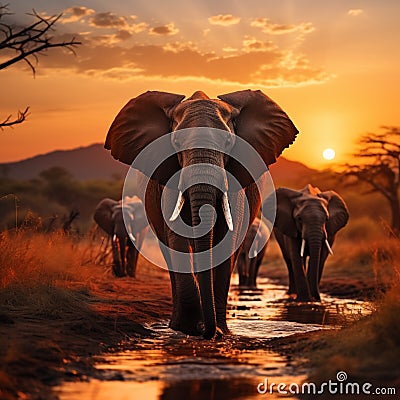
x,y
332,66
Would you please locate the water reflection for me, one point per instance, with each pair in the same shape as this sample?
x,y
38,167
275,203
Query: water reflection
x,y
221,389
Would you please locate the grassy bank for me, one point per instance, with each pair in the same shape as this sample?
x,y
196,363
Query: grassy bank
x,y
58,310
369,350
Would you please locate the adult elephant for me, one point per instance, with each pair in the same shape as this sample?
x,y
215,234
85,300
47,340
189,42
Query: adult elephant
x,y
306,223
201,195
252,253
126,236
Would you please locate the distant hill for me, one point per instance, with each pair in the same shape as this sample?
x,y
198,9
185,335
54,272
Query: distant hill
x,y
287,172
85,163
94,162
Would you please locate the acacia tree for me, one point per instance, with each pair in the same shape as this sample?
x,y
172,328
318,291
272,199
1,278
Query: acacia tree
x,y
26,43
379,167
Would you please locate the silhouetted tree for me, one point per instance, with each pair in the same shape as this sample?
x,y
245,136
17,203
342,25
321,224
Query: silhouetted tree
x,y
26,43
379,167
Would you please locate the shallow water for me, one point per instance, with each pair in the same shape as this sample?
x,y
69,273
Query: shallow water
x,y
174,366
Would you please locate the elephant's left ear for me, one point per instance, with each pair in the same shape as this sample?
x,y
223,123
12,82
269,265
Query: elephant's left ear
x,y
337,209
262,123
140,122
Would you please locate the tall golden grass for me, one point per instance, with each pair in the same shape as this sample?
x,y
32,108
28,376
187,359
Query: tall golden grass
x,y
41,273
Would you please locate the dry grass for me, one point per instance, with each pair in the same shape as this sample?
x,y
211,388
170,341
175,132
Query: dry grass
x,y
58,309
40,273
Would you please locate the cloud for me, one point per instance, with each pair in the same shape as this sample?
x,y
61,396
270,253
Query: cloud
x,y
223,20
107,20
281,29
176,47
252,44
109,51
255,63
164,30
355,12
75,14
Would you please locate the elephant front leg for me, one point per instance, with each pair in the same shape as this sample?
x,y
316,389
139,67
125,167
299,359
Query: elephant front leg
x,y
300,279
285,245
187,315
118,252
222,279
243,270
132,256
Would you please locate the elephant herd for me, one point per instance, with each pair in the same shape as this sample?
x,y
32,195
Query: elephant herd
x,y
191,154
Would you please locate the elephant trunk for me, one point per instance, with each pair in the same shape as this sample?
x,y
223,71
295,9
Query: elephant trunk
x,y
315,242
200,195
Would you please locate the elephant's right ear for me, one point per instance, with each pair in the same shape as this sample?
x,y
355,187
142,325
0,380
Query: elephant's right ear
x,y
141,121
103,215
285,203
262,123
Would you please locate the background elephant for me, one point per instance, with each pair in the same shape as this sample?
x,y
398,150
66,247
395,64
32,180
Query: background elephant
x,y
247,267
305,227
109,215
199,297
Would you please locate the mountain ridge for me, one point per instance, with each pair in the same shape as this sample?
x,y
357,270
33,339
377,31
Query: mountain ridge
x,y
93,162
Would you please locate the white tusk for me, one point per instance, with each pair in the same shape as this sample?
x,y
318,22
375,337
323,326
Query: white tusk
x,y
130,234
114,238
178,207
254,253
329,247
227,211
303,245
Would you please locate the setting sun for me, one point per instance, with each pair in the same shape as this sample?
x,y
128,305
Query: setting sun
x,y
329,154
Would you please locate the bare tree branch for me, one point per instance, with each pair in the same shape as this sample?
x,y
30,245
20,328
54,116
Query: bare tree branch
x,y
9,122
28,43
379,167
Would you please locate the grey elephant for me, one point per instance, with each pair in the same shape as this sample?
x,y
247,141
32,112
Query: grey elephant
x,y
126,236
306,223
213,208
252,253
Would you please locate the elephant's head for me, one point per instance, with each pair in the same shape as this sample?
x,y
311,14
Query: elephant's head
x,y
249,114
313,217
310,214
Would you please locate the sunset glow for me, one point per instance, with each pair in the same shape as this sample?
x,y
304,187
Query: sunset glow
x,y
329,154
331,67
